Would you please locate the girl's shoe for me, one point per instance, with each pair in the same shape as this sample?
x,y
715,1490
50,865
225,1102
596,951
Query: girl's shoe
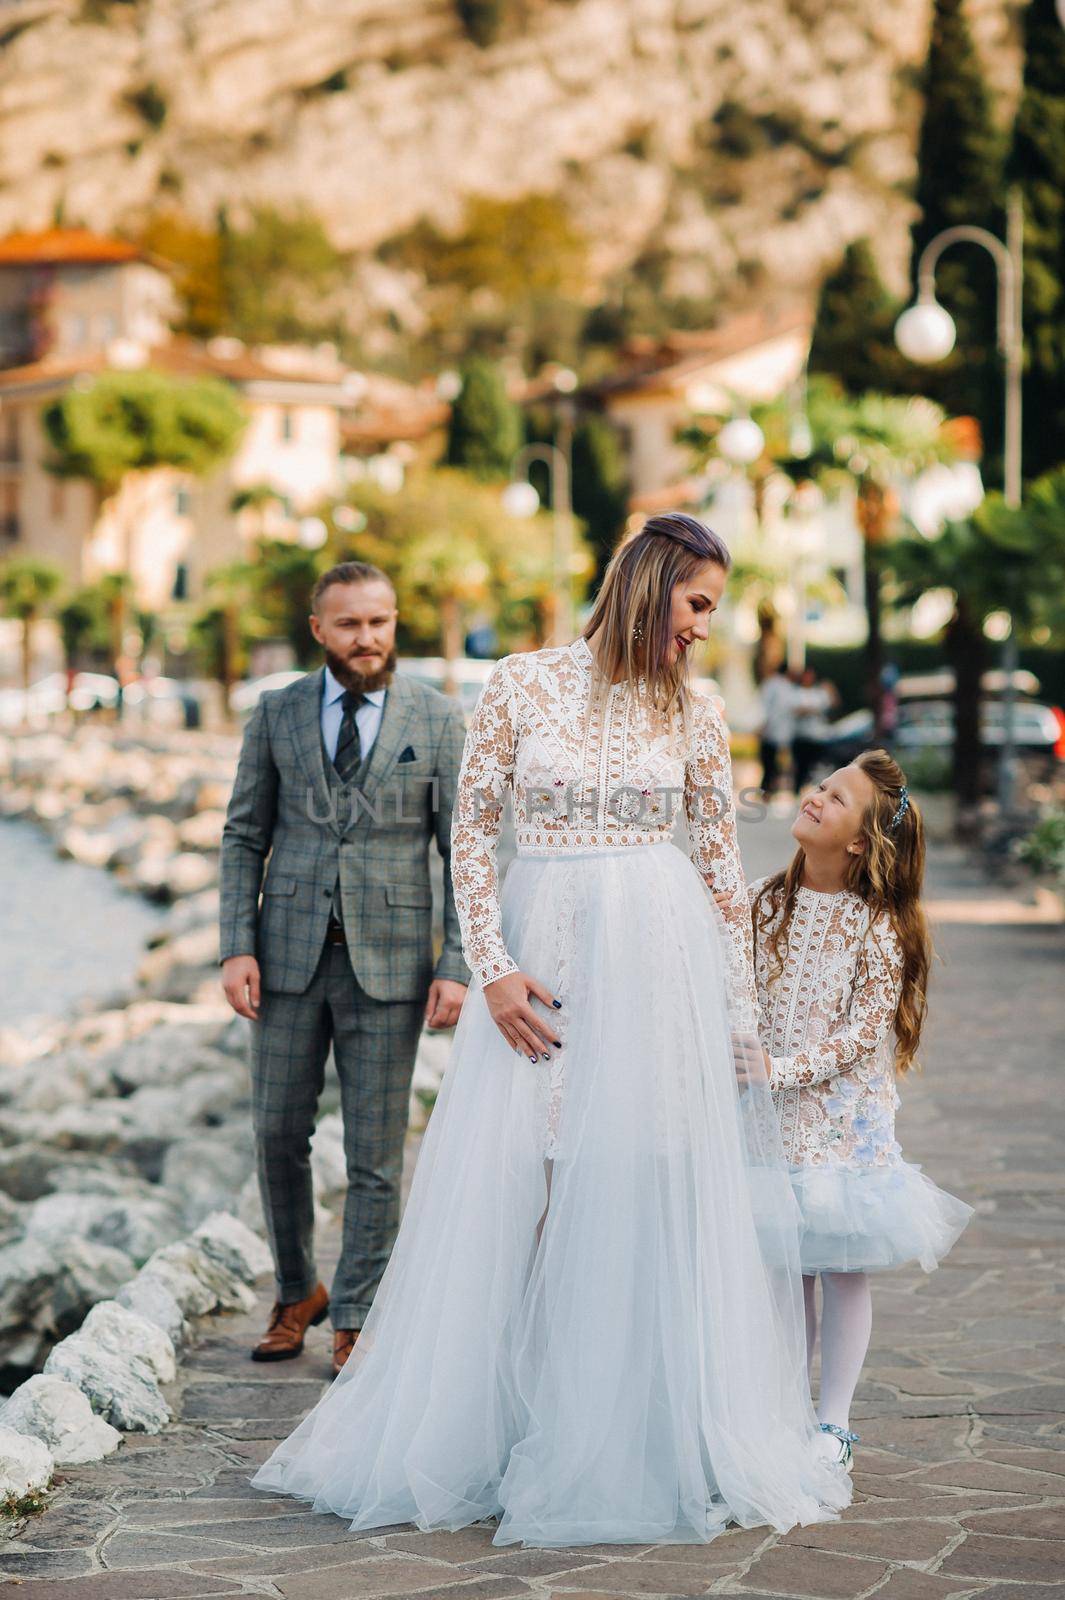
x,y
837,1444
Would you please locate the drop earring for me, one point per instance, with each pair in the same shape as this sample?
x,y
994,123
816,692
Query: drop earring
x,y
637,633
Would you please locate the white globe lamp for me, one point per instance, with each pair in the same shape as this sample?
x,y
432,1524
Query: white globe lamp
x,y
520,499
741,441
926,332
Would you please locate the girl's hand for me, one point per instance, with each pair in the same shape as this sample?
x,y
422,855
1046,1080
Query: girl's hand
x,y
507,999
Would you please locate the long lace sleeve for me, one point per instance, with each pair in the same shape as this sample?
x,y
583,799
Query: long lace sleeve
x,y
485,774
711,816
870,1016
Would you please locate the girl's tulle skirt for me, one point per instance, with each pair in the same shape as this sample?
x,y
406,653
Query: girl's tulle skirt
x,y
868,1218
591,1324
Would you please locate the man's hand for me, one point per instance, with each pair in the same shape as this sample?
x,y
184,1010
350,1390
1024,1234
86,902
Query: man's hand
x,y
444,1003
508,1003
242,985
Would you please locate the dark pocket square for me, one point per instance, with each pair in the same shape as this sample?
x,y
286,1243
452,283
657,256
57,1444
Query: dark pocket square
x,y
408,754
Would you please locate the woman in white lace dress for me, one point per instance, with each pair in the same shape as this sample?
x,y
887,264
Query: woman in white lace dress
x,y
591,1324
842,954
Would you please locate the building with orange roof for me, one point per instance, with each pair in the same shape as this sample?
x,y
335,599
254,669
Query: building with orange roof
x,y
74,305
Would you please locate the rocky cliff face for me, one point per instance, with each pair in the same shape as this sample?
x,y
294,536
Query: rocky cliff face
x,y
740,142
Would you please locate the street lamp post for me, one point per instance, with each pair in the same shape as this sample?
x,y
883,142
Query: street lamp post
x,y
520,499
926,333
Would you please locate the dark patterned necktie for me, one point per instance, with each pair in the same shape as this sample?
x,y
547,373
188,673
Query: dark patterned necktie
x,y
348,757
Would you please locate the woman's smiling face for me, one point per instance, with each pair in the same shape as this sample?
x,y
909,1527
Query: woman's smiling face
x,y
830,817
693,604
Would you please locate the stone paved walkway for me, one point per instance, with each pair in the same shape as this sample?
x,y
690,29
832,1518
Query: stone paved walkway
x,y
961,1475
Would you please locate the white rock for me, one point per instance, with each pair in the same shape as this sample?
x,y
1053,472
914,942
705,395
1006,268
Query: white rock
x,y
150,1298
205,1172
134,1226
249,1208
59,1415
163,1056
25,1465
234,1246
121,1389
46,1290
123,1332
198,1283
328,1165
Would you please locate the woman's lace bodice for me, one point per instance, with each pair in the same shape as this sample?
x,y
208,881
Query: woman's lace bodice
x,y
584,776
827,1025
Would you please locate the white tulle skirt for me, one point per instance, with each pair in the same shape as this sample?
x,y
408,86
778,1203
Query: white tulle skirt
x,y
868,1218
591,1324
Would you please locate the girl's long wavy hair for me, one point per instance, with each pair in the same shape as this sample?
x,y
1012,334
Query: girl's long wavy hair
x,y
635,598
888,874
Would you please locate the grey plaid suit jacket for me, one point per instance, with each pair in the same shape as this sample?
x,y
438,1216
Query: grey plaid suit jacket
x,y
374,835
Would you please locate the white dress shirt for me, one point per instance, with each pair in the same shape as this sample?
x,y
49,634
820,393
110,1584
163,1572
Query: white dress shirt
x,y
367,717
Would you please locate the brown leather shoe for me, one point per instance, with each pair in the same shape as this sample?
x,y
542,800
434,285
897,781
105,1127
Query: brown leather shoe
x,y
343,1345
288,1323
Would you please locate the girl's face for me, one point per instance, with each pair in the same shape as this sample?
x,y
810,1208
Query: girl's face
x,y
694,602
830,817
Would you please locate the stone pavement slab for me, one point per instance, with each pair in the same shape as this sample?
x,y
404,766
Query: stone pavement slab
x,y
960,1476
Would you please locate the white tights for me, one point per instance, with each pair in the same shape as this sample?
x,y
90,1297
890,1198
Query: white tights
x,y
846,1323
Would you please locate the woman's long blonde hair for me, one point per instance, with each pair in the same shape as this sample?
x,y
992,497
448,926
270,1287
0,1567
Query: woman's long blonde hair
x,y
889,875
634,604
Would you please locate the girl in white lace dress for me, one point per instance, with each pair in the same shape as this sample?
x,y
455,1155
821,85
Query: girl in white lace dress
x,y
841,960
591,1326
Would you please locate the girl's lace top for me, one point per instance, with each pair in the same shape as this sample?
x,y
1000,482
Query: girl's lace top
x,y
586,775
827,1025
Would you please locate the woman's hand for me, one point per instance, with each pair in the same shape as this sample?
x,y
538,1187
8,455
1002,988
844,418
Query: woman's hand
x,y
508,1004
753,1065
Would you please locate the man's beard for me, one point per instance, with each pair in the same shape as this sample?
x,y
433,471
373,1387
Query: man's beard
x,y
345,673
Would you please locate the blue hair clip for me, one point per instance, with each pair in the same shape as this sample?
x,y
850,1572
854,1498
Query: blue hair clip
x,y
904,806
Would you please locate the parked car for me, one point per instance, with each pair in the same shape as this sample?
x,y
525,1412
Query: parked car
x,y
49,696
929,725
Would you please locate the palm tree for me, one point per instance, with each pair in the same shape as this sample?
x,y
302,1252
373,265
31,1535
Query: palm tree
x,y
1001,558
257,497
870,445
26,587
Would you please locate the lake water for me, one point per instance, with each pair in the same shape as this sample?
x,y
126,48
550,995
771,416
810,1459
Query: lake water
x,y
67,932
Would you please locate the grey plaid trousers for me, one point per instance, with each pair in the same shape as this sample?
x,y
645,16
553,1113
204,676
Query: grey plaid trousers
x,y
374,1045
371,861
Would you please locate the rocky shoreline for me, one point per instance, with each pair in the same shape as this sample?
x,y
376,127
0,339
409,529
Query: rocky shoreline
x,y
128,1200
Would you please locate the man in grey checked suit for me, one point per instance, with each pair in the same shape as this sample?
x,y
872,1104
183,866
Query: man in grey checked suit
x,y
344,777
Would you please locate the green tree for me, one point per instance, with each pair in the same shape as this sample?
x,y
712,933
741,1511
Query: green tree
x,y
854,328
220,630
275,272
195,253
26,587
600,487
484,433
482,19
453,552
130,423
961,179
1037,164
283,576
82,625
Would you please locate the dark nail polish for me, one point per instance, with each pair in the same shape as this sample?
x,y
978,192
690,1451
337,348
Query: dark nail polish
x,y
556,1004
533,1060
546,1056
559,1043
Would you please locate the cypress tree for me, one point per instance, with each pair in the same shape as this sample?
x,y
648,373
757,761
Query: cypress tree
x,y
854,329
1037,164
961,179
485,432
